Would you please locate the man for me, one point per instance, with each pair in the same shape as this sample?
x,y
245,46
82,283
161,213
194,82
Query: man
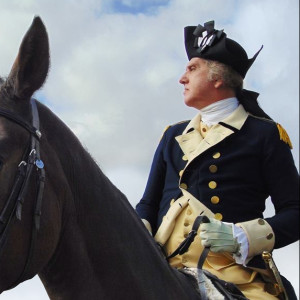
x,y
224,164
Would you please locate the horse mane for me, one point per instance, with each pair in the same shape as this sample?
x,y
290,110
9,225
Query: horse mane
x,y
75,161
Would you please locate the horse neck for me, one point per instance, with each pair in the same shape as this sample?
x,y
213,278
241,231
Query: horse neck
x,y
104,250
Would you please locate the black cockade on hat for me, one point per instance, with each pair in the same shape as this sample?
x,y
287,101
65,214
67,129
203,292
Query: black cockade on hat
x,y
210,37
209,43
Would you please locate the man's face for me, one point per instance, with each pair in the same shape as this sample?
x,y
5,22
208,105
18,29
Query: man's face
x,y
197,87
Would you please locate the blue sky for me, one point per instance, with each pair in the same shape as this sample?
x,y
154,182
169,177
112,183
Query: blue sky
x,y
134,7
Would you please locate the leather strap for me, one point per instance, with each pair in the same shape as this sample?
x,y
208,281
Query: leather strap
x,y
13,117
17,196
228,290
40,189
201,276
40,166
184,246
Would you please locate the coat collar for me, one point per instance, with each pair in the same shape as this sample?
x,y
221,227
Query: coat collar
x,y
192,143
236,120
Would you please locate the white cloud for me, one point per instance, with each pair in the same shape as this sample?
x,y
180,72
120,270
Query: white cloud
x,y
114,77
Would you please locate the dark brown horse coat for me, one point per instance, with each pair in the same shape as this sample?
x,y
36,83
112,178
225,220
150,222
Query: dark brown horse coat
x,y
90,244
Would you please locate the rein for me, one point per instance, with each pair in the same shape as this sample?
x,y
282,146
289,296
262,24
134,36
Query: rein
x,y
227,289
184,246
31,161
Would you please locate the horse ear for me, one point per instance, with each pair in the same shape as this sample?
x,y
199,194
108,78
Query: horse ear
x,y
31,66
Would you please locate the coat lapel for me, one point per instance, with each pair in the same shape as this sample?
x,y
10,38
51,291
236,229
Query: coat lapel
x,y
190,138
191,141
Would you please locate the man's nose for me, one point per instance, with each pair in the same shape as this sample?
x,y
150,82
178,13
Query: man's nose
x,y
183,79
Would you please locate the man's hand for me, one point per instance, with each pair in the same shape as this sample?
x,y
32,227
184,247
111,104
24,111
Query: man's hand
x,y
218,236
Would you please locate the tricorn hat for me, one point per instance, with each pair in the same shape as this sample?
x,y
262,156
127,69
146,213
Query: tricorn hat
x,y
208,43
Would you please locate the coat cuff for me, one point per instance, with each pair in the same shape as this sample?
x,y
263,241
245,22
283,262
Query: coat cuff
x,y
260,236
147,225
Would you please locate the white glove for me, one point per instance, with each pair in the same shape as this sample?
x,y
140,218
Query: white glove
x,y
218,236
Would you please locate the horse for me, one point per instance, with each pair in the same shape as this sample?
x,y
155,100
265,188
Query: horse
x,y
60,216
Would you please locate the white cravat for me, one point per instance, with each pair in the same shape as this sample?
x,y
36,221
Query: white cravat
x,y
218,111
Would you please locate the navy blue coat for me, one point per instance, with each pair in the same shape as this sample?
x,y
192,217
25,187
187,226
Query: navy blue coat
x,y
254,164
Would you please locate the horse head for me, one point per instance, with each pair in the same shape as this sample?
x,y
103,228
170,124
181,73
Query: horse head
x,y
18,243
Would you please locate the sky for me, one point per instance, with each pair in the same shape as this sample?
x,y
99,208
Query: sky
x,y
114,74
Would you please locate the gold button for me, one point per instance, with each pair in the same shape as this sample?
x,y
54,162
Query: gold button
x,y
183,186
184,157
269,236
217,155
186,235
204,129
218,216
186,224
261,222
215,199
213,168
212,184
180,173
189,212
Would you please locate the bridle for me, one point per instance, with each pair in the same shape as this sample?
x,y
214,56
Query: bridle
x,y
30,162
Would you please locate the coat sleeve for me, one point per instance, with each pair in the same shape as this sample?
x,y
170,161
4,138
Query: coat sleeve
x,y
281,179
148,206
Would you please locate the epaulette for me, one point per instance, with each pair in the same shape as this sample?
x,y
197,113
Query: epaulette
x,y
284,135
282,132
167,127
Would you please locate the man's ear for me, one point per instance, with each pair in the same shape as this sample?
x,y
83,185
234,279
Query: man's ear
x,y
218,83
